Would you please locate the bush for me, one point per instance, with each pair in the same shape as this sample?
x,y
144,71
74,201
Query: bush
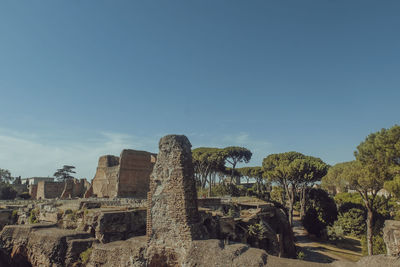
x,y
335,232
277,194
85,255
321,212
343,198
258,230
312,222
353,222
352,213
378,245
232,212
33,216
7,192
301,255
346,206
296,206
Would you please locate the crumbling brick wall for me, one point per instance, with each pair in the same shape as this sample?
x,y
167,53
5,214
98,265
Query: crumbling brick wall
x,y
105,181
49,189
33,191
74,188
134,173
124,176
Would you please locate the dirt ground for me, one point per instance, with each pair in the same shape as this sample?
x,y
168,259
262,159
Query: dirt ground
x,y
322,251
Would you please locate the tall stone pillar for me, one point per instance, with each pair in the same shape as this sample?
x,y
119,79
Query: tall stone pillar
x,y
172,202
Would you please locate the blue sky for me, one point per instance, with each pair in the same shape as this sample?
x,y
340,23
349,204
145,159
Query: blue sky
x,y
79,79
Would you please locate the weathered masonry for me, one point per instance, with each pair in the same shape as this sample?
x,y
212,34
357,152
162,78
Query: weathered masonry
x,y
124,176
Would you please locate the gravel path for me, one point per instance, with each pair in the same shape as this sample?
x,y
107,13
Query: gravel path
x,y
313,251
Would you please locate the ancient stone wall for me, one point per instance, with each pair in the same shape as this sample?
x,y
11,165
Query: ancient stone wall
x,y
74,188
105,181
49,189
172,207
33,191
134,173
124,176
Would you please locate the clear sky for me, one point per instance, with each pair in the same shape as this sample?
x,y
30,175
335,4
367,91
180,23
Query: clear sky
x,y
80,79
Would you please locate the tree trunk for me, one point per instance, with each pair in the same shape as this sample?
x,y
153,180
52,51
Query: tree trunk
x,y
302,203
370,216
291,203
237,180
290,213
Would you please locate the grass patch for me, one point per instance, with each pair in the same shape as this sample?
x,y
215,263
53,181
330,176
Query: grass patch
x,y
33,216
85,255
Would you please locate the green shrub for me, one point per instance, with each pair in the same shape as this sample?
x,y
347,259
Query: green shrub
x,y
33,216
258,230
7,192
353,222
321,212
342,198
277,194
312,222
301,255
296,206
232,212
85,255
335,232
378,245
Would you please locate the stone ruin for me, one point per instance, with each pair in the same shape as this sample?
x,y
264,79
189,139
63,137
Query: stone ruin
x,y
173,220
70,188
124,176
391,236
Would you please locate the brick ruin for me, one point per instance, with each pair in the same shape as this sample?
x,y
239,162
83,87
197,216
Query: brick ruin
x,y
70,188
172,214
124,176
